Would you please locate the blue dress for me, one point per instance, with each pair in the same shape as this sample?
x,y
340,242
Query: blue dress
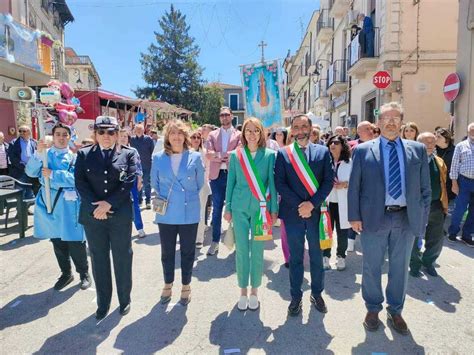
x,y
63,222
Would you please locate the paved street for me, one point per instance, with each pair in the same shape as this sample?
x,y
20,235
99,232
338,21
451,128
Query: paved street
x,y
36,319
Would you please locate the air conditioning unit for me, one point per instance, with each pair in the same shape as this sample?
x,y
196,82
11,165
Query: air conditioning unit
x,y
351,18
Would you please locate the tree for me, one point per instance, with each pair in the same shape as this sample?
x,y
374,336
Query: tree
x,y
212,99
169,67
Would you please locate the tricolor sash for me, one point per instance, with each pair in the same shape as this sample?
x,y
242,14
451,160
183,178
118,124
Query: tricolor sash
x,y
306,175
263,227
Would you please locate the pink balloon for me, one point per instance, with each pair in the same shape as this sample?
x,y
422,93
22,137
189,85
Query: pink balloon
x,y
67,91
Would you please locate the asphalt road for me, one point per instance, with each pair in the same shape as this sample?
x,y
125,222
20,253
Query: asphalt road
x,y
36,319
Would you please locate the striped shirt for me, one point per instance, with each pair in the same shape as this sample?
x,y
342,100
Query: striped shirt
x,y
3,157
463,160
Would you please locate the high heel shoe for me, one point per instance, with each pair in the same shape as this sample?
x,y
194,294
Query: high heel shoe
x,y
166,294
185,295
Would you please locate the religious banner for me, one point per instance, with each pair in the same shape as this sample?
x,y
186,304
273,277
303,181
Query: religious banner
x,y
262,92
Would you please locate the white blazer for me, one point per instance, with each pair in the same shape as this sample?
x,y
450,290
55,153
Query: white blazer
x,y
339,196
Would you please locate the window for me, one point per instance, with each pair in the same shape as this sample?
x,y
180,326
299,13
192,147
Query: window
x,y
234,102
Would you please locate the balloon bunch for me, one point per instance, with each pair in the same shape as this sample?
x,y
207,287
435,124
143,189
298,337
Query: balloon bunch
x,y
62,103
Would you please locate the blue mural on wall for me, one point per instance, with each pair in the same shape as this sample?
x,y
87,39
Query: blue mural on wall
x,y
262,92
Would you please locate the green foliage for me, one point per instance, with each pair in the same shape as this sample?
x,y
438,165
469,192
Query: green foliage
x,y
212,99
170,66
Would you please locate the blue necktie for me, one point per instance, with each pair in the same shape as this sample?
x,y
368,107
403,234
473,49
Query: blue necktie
x,y
394,175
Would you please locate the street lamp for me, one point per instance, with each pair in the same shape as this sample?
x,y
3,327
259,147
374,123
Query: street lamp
x,y
319,66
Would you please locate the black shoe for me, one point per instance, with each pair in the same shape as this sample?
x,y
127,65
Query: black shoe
x,y
431,271
63,281
85,281
287,265
397,323
371,321
295,307
125,310
468,242
452,238
101,313
319,303
415,273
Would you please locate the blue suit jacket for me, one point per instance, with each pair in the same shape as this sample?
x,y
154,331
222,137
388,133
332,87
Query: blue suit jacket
x,y
17,168
367,186
183,204
292,190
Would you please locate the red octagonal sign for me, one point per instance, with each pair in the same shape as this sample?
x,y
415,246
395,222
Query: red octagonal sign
x,y
451,87
382,79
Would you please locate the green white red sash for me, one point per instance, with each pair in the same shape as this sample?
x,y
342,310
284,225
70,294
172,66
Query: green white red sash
x,y
263,227
306,175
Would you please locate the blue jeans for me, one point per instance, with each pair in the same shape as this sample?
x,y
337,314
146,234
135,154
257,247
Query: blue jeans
x,y
137,214
146,187
463,200
395,235
296,231
218,187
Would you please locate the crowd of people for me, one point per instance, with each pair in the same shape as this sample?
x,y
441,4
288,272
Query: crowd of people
x,y
401,190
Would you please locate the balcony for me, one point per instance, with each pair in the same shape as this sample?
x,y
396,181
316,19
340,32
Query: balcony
x,y
324,26
21,54
299,78
337,77
79,60
363,59
339,8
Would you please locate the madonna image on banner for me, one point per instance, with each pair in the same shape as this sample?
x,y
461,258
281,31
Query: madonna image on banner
x,y
262,92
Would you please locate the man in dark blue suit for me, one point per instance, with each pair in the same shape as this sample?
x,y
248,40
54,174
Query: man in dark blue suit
x,y
105,173
301,211
389,200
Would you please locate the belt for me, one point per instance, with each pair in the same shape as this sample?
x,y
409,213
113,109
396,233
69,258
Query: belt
x,y
395,208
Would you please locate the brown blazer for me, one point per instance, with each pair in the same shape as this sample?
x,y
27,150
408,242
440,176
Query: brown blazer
x,y
443,177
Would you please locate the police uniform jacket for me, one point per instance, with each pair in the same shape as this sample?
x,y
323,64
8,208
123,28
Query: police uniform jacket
x,y
100,180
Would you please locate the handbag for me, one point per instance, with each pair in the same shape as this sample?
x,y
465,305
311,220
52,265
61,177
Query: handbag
x,y
229,238
160,204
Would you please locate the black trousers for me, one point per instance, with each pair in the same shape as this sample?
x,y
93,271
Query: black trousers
x,y
187,243
64,251
342,234
103,236
4,171
434,238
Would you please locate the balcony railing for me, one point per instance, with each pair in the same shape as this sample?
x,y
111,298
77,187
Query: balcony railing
x,y
320,89
364,46
337,72
80,59
324,21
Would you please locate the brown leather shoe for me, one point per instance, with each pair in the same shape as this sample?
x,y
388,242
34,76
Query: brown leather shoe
x,y
371,321
398,324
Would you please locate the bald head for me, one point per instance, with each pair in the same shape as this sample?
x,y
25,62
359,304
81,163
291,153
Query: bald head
x,y
365,131
429,140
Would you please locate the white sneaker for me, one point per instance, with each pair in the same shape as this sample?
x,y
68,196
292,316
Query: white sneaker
x,y
141,233
253,302
213,248
326,264
350,244
340,263
243,303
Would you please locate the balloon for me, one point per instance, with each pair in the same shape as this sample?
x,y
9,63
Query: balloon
x,y
66,90
76,101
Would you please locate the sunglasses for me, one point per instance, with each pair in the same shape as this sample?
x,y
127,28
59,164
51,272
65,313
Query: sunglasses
x,y
23,131
335,143
195,137
225,115
101,132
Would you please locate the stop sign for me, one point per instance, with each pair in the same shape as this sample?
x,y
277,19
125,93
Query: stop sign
x,y
451,87
382,79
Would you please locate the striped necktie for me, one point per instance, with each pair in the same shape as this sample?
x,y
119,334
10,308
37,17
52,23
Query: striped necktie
x,y
394,175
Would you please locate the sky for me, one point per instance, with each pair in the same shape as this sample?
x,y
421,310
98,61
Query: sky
x,y
114,33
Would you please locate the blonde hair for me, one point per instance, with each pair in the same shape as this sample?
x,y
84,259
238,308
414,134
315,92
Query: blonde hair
x,y
182,128
262,142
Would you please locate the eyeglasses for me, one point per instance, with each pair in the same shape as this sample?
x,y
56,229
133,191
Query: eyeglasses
x,y
23,131
335,143
224,115
195,137
101,132
249,131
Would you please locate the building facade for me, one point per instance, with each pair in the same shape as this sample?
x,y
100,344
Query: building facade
x,y
81,71
31,53
347,42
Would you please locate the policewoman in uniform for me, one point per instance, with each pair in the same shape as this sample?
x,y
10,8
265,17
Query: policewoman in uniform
x,y
105,173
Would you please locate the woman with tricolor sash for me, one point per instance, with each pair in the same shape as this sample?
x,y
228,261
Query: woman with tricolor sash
x,y
251,205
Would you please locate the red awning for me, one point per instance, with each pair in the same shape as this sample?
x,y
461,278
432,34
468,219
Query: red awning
x,y
107,95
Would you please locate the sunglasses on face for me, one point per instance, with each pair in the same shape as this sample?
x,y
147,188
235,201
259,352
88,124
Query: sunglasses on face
x,y
195,137
23,131
335,143
101,132
224,115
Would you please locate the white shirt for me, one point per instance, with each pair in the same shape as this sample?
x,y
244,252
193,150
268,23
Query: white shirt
x,y
175,162
225,136
3,157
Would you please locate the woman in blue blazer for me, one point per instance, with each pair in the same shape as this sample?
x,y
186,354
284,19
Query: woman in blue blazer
x,y
178,173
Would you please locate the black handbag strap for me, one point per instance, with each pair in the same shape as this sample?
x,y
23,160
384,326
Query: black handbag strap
x,y
56,198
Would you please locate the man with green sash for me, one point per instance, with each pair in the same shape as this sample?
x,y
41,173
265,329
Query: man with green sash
x,y
304,179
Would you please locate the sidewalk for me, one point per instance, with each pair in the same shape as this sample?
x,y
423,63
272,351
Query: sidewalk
x,y
35,318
